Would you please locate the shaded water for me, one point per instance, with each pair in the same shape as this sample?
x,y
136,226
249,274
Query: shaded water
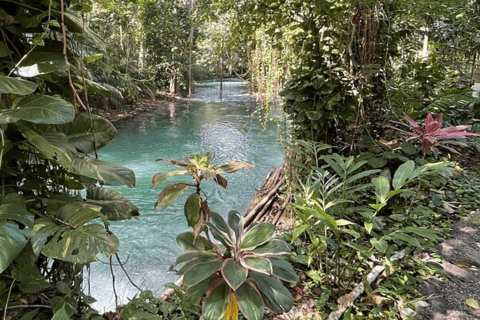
x,y
181,128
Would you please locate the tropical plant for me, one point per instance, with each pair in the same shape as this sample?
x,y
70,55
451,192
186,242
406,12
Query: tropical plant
x,y
244,269
48,232
432,135
199,168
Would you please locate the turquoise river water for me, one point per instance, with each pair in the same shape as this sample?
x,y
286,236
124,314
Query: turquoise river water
x,y
172,131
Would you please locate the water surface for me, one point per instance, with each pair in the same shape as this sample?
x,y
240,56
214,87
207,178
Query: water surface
x,y
173,131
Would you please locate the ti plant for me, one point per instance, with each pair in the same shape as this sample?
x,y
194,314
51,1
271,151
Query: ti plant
x,y
432,135
243,271
199,167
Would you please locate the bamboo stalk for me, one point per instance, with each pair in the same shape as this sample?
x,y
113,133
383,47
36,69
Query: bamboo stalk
x,y
250,215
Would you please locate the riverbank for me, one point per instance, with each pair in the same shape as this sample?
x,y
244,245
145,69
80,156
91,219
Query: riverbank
x,y
140,106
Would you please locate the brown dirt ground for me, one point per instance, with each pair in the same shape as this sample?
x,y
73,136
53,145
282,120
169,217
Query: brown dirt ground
x,y
446,297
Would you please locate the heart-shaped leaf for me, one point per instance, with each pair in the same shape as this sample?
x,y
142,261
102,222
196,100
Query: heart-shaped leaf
x,y
234,273
105,172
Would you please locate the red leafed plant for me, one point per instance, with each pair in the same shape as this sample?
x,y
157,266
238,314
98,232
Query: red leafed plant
x,y
432,135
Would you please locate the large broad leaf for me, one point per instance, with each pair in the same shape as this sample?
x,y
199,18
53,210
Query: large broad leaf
x,y
83,33
158,178
38,62
201,272
27,273
258,264
39,109
114,205
283,270
234,166
4,51
234,273
170,194
105,172
13,238
16,86
277,298
250,302
12,242
275,247
86,133
402,174
382,187
257,235
74,239
192,209
188,242
52,145
216,303
194,293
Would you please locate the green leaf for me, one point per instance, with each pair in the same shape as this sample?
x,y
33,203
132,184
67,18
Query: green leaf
x,y
38,62
250,302
105,172
52,145
61,314
188,242
94,57
402,174
4,51
283,270
236,222
409,148
170,194
324,217
380,245
39,109
192,209
360,175
368,227
277,298
114,205
258,264
193,294
74,238
274,247
257,235
472,303
12,238
86,134
216,303
218,221
234,166
234,273
377,162
158,178
431,234
201,272
27,273
382,187
16,86
405,238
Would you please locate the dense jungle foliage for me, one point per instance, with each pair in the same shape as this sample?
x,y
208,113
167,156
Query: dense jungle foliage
x,y
368,180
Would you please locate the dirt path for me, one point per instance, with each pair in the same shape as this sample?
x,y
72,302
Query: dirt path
x,y
461,263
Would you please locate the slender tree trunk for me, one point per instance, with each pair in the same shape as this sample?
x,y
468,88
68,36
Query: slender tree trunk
x,y
190,44
221,77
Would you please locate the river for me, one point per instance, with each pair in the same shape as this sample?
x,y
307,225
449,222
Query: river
x,y
177,129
